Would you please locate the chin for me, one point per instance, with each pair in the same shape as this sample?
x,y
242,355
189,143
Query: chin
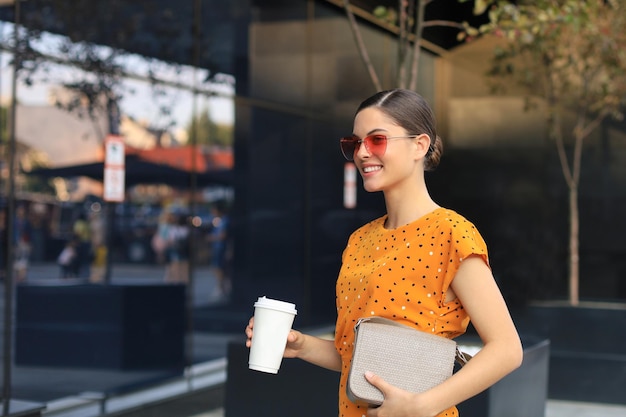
x,y
371,188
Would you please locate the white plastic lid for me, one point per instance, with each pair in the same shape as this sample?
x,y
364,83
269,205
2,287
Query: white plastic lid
x,y
272,304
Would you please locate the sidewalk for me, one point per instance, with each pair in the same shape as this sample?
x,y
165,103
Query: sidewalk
x,y
40,384
554,408
203,279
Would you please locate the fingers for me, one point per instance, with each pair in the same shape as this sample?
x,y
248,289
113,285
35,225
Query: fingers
x,y
378,382
292,336
396,401
249,332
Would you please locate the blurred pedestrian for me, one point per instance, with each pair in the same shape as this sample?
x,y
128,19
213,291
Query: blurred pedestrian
x,y
159,239
39,231
221,252
22,241
98,247
177,249
67,259
82,232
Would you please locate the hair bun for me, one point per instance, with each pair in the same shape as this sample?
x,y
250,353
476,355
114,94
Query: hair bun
x,y
434,154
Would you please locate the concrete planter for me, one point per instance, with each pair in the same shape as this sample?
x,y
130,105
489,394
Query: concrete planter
x,y
96,326
522,393
588,348
299,388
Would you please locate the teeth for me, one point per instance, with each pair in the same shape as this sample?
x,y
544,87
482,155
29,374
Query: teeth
x,y
372,169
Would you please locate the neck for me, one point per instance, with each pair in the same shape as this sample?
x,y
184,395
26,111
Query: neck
x,y
405,207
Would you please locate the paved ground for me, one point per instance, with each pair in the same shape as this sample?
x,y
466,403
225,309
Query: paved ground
x,y
553,409
41,384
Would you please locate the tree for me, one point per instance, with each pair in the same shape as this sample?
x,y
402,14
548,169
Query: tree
x,y
208,132
572,55
408,22
97,86
109,43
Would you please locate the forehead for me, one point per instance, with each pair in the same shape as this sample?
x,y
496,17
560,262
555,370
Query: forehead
x,y
372,119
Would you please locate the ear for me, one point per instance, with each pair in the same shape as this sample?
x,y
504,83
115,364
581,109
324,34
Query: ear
x,y
422,143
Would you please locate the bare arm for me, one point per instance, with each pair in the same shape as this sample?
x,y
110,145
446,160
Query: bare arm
x,y
320,352
476,288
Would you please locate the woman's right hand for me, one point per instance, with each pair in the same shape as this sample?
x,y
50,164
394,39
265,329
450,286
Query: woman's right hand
x,y
249,332
295,340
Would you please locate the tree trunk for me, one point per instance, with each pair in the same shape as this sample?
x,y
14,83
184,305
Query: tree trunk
x,y
582,130
571,173
574,267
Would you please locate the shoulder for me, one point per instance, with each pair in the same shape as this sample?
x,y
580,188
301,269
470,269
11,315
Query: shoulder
x,y
448,219
460,233
369,227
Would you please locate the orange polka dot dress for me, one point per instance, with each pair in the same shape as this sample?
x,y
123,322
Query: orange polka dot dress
x,y
403,274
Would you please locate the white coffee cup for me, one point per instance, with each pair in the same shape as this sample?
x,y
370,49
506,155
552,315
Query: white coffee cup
x,y
272,322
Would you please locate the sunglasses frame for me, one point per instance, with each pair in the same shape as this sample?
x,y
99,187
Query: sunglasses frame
x,y
371,148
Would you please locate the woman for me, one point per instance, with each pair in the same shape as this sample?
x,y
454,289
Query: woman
x,y
420,264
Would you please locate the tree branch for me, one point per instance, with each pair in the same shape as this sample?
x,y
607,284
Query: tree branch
x,y
445,23
419,25
402,42
361,46
557,134
591,126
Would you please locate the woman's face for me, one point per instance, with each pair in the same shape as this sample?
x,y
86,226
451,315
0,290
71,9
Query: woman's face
x,y
401,160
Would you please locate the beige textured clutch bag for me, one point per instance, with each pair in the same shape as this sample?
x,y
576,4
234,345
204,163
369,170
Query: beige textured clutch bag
x,y
407,358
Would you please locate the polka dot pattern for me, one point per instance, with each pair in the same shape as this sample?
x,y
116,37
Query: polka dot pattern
x,y
403,274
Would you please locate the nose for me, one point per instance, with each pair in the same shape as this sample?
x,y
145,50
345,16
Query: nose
x,y
362,150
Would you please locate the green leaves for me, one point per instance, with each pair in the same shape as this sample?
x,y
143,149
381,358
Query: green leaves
x,y
573,49
480,6
387,14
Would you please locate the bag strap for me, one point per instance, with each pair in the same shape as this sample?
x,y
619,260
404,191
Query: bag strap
x,y
462,358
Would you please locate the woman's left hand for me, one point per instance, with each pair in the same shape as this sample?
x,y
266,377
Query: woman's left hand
x,y
397,402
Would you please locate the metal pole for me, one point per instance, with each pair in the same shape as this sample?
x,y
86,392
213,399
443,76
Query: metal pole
x,y
193,185
8,280
113,113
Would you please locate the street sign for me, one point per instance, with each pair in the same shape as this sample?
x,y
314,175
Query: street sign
x,y
114,184
114,151
114,169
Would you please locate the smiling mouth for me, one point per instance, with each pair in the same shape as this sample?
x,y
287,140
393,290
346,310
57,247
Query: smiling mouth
x,y
372,168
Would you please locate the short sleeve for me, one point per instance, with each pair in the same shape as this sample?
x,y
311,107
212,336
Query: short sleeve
x,y
464,241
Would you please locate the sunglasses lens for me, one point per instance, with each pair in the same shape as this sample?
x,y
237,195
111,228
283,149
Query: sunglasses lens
x,y
377,144
348,147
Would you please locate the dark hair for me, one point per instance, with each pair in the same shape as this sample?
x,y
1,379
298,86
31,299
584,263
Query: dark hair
x,y
410,111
